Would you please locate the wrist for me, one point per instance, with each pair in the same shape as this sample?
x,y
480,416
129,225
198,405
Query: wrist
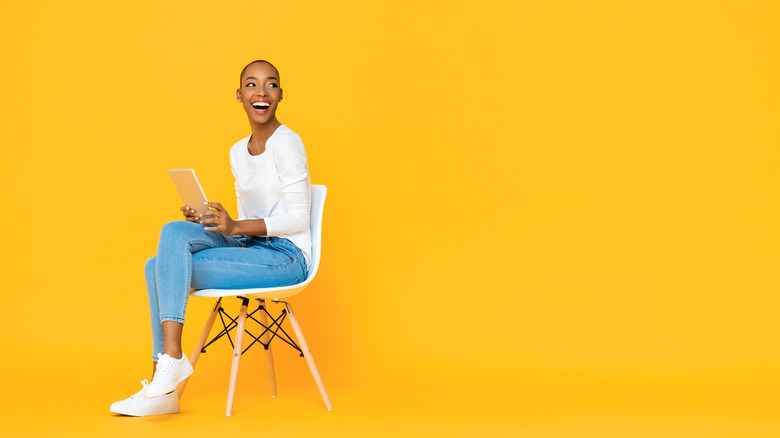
x,y
236,229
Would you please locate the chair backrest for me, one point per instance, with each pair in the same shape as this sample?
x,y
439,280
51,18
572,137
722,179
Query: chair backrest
x,y
318,193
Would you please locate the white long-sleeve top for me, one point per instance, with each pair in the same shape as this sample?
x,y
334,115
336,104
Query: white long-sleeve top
x,y
275,186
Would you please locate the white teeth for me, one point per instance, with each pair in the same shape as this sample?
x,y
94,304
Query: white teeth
x,y
261,105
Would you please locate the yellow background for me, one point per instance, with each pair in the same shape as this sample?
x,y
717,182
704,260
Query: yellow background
x,y
545,218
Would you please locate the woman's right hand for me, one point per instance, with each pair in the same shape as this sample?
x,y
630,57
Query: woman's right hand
x,y
190,214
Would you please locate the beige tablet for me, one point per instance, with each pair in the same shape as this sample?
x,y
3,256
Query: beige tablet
x,y
189,188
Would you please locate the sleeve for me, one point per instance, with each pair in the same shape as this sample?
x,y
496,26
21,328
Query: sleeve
x,y
293,169
239,206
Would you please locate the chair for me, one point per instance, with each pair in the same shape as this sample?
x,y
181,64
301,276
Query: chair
x,y
273,330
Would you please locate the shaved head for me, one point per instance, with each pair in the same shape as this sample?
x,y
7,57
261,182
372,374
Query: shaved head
x,y
241,78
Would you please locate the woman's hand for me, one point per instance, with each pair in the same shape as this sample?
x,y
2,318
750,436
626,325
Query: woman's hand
x,y
189,214
218,215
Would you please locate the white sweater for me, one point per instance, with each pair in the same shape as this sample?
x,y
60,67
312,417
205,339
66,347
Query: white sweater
x,y
275,186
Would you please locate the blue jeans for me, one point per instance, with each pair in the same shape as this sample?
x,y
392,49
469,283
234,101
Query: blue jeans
x,y
189,256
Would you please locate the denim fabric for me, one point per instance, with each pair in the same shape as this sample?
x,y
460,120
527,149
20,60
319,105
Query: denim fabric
x,y
189,256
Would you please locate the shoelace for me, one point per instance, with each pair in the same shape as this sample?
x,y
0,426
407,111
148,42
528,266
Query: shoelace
x,y
142,393
162,365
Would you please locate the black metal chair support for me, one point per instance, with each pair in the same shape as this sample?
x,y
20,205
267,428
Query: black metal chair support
x,y
275,332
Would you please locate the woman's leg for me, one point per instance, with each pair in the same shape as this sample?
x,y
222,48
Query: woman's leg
x,y
188,256
209,260
168,278
166,335
264,262
172,338
154,308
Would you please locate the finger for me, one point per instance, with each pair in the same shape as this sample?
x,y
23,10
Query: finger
x,y
211,219
185,208
215,205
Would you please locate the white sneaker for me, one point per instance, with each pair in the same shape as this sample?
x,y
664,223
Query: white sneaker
x,y
140,405
169,373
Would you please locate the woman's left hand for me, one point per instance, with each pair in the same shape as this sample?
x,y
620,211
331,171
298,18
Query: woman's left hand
x,y
218,215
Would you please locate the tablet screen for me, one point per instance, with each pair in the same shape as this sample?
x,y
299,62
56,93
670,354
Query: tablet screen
x,y
189,189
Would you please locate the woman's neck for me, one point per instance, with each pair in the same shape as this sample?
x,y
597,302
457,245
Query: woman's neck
x,y
260,134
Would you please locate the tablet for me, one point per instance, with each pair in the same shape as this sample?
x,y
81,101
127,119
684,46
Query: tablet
x,y
189,188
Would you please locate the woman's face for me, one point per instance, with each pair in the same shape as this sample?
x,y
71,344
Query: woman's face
x,y
260,92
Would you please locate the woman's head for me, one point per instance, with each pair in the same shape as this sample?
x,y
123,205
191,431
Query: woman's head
x,y
241,78
260,91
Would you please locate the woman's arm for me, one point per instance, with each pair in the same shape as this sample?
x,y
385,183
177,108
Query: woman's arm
x,y
293,170
292,165
226,225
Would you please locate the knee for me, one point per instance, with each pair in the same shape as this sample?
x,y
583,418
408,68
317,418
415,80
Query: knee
x,y
150,267
177,229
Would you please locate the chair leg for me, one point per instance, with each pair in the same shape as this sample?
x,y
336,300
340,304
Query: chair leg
x,y
269,357
204,335
237,356
307,355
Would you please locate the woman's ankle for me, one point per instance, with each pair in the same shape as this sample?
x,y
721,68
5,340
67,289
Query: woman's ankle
x,y
176,354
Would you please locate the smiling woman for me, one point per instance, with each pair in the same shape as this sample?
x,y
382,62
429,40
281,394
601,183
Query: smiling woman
x,y
260,93
268,245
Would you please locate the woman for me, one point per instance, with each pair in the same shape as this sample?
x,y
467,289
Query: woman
x,y
269,245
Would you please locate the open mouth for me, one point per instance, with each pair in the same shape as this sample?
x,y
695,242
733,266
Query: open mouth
x,y
261,106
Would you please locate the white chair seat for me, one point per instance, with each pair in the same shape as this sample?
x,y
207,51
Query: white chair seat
x,y
270,293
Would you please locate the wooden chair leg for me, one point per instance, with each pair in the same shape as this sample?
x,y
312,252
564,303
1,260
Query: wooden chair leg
x,y
237,357
269,357
204,335
307,355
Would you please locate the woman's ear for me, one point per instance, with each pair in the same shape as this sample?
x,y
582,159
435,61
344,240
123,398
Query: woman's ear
x,y
238,94
281,94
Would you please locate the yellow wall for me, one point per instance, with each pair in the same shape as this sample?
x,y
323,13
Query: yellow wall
x,y
517,188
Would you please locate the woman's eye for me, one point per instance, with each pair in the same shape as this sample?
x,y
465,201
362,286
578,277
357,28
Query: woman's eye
x,y
272,85
251,84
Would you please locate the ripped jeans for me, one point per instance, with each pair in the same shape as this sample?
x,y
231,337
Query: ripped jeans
x,y
189,256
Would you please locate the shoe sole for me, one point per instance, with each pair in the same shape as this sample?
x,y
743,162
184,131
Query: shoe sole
x,y
144,415
172,408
